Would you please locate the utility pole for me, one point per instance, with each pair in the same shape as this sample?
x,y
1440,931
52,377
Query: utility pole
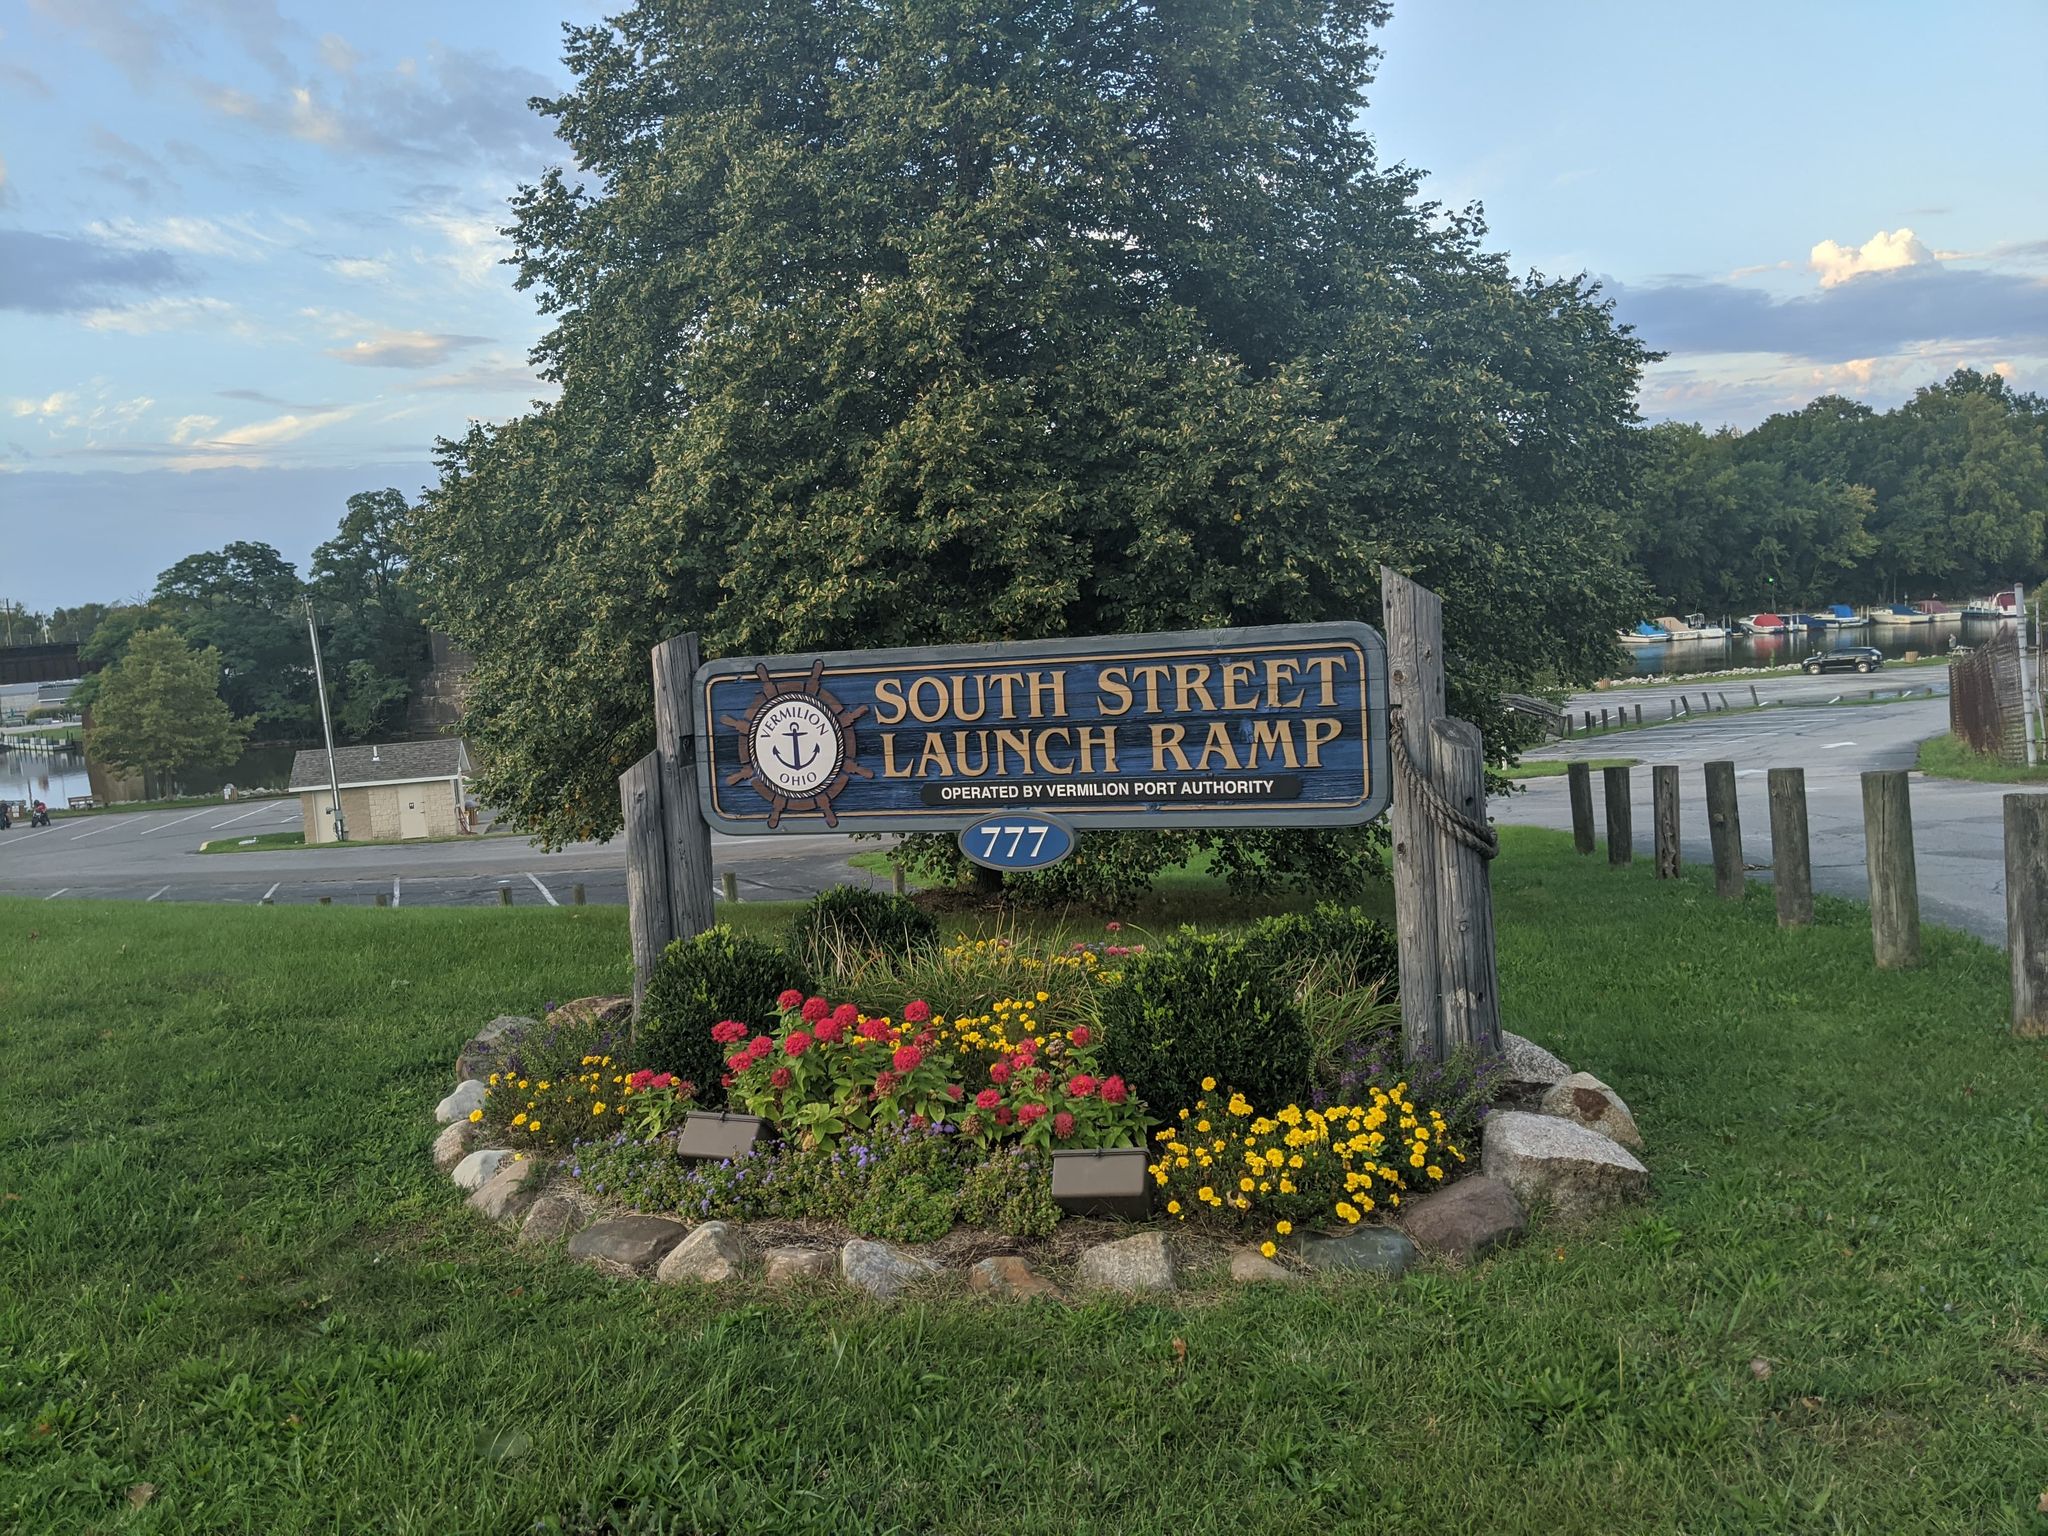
x,y
326,724
2029,705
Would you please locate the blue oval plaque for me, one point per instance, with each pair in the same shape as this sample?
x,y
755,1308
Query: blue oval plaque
x,y
1023,840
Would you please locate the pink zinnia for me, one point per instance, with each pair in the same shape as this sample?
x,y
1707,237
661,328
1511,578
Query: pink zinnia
x,y
1062,1126
907,1057
988,1098
1081,1034
739,1061
999,1073
1114,927
829,1033
917,1012
1114,1091
1080,1085
1004,1117
796,1044
846,1015
885,1083
726,1031
761,1045
815,1009
1030,1113
874,1029
790,999
781,1077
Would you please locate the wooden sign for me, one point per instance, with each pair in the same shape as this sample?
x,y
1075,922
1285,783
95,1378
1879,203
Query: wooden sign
x,y
1279,726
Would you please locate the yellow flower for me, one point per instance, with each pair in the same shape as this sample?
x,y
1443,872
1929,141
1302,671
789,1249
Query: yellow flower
x,y
522,1085
1246,1185
519,1119
494,1079
1433,1171
1267,1250
476,1117
1173,1207
1416,1159
1208,1085
1205,1193
1283,1227
597,1108
533,1125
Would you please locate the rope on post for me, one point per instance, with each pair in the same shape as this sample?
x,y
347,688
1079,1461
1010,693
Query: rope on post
x,y
1479,836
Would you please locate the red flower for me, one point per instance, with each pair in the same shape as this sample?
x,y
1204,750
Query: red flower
x,y
874,1029
781,1077
725,1081
788,1000
924,1040
639,1079
830,1032
1080,1085
918,1122
1062,1126
917,1012
885,1084
1114,1091
796,1044
999,1073
953,1091
761,1045
726,1031
1042,1081
846,1015
1081,1034
1030,1113
815,1009
1004,1117
988,1098
907,1057
1114,927
739,1061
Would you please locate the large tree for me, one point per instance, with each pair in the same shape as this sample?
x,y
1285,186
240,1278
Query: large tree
x,y
906,323
246,602
158,711
374,638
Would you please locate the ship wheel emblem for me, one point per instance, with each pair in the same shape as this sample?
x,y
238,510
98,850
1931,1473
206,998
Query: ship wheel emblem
x,y
796,745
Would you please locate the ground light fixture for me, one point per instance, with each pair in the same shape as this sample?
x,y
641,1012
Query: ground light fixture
x,y
716,1135
1102,1181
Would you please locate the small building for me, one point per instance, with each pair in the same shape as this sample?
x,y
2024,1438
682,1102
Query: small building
x,y
391,790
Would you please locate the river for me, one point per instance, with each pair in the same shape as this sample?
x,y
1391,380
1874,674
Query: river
x,y
1684,656
57,776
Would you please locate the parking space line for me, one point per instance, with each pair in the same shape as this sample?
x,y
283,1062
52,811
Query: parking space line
x,y
394,890
550,895
152,896
243,817
104,826
56,893
269,893
27,835
179,822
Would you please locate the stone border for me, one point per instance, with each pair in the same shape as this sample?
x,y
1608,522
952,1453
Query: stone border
x,y
1558,1138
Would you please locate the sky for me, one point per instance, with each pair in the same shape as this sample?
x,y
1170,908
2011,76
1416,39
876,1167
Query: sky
x,y
249,259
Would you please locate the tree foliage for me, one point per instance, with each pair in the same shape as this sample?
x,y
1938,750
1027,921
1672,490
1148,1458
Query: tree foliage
x,y
158,710
918,323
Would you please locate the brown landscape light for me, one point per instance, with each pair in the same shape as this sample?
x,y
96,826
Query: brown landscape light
x,y
716,1136
1102,1182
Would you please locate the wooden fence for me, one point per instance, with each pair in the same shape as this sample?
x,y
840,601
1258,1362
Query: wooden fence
x,y
1986,706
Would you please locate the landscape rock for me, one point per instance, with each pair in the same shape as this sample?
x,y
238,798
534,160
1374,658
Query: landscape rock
x,y
506,1194
1250,1267
1575,1170
881,1270
485,1052
466,1097
453,1144
798,1266
592,1010
1527,1071
1470,1218
712,1253
555,1215
1372,1250
1011,1277
1584,1098
1130,1264
475,1170
633,1241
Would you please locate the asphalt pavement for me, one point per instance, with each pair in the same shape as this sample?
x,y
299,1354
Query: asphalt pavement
x,y
154,856
1958,838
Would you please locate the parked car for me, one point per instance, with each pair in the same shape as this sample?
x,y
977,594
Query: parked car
x,y
1855,658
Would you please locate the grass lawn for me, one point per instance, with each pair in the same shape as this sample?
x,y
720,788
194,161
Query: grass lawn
x,y
1557,767
182,802
1949,757
228,1271
261,842
255,842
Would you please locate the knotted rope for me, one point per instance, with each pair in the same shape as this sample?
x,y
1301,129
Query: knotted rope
x,y
1479,836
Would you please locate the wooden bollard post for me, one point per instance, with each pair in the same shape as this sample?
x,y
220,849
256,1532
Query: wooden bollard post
x,y
1791,856
2026,910
326,901
1621,847
1724,703
1664,799
1578,778
504,895
1674,707
1603,717
897,883
383,898
1894,881
576,894
1724,824
730,883
1639,714
1755,702
1589,722
1464,915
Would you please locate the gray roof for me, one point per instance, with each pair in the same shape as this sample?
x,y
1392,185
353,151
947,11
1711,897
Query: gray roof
x,y
390,762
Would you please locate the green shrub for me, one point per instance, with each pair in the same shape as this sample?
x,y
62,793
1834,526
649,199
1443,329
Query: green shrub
x,y
1204,1005
837,929
1010,1192
717,975
1338,947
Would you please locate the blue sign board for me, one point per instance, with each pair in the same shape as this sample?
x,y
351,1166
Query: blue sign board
x,y
1278,726
1018,840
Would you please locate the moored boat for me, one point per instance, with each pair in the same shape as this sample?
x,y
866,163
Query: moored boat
x,y
1841,616
1644,634
1900,615
2000,605
1693,626
1764,624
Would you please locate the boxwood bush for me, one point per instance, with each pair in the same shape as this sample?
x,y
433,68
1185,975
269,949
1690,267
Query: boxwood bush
x,y
850,922
1205,1005
1334,945
717,975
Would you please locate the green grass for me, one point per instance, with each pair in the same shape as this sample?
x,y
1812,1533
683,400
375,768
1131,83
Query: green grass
x,y
1557,767
182,802
255,842
268,841
1950,757
228,1270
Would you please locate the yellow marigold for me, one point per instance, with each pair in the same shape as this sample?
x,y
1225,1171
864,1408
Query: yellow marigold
x,y
1173,1207
1208,1085
1246,1185
1416,1159
1283,1227
494,1079
522,1085
1267,1250
597,1108
1433,1171
476,1117
1347,1210
1205,1193
533,1125
519,1119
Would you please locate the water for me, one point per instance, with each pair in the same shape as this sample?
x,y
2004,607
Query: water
x,y
1686,656
55,776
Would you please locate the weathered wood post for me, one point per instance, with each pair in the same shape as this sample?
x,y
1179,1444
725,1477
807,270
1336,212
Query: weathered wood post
x,y
1664,795
646,868
897,884
1791,857
1621,842
1724,703
1639,714
688,861
1579,778
2026,910
1894,880
1754,701
1603,717
729,882
1674,707
1464,915
1724,825
1414,618
576,897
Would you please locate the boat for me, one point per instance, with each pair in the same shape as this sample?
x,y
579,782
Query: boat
x,y
1763,624
1804,623
1841,616
1899,615
1999,606
1644,634
1693,626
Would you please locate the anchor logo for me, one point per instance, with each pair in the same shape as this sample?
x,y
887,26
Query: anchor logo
x,y
797,745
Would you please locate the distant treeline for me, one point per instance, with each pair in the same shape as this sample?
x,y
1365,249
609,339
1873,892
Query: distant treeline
x,y
248,603
1946,496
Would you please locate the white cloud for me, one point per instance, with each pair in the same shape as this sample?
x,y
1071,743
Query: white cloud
x,y
186,428
54,404
472,248
337,55
402,349
360,269
1882,252
312,122
236,237
167,315
248,447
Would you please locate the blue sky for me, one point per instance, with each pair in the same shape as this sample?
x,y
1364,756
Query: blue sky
x,y
247,246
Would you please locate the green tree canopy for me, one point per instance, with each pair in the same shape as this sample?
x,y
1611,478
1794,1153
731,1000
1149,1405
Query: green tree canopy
x,y
373,635
909,323
158,710
243,601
